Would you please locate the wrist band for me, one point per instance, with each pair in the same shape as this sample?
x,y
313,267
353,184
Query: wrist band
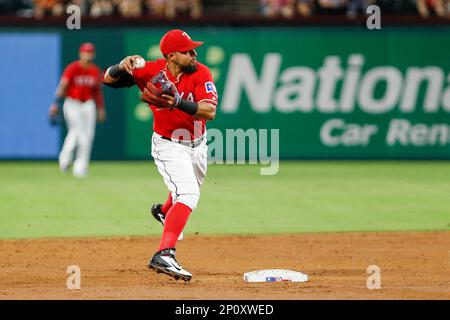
x,y
59,101
188,106
115,72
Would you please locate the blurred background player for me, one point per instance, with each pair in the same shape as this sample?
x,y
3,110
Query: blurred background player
x,y
80,89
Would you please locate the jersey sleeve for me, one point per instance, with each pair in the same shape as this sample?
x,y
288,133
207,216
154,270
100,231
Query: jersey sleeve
x,y
68,72
205,89
125,80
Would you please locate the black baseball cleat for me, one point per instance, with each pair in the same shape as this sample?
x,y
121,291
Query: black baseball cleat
x,y
157,213
164,261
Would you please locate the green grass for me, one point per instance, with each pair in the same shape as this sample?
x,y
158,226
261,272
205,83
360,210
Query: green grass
x,y
37,201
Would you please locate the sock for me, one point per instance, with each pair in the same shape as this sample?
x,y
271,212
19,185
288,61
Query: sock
x,y
167,205
176,219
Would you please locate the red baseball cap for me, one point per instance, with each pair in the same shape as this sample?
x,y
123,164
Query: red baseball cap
x,y
177,40
87,47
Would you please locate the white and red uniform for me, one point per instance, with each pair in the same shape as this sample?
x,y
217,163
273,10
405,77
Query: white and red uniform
x,y
182,165
84,94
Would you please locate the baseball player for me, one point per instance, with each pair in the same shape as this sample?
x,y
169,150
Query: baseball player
x,y
80,90
181,93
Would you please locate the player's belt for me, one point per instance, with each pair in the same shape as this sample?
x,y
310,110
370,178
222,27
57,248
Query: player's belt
x,y
192,144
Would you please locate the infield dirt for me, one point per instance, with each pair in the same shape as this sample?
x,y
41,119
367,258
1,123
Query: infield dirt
x,y
414,265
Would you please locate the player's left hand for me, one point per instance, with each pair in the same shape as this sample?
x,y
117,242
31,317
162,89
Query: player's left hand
x,y
161,91
171,100
53,110
156,97
54,115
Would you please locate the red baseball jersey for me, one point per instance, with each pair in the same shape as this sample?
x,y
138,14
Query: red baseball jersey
x,y
84,82
197,86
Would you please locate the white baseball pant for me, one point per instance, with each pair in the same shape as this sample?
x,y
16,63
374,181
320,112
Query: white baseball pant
x,y
81,120
182,167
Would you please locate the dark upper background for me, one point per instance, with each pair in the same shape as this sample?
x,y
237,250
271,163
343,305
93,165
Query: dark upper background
x,y
219,12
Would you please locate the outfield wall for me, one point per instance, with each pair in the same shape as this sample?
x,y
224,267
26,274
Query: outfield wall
x,y
336,92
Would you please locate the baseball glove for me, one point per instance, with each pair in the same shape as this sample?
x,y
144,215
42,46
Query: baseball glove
x,y
156,87
55,120
55,117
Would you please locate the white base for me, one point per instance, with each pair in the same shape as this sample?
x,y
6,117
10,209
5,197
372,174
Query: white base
x,y
275,275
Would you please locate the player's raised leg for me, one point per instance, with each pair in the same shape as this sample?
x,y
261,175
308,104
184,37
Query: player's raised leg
x,y
168,204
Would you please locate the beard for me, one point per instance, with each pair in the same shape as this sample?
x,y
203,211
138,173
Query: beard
x,y
189,68
87,60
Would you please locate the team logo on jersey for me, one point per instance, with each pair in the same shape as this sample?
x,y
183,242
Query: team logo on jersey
x,y
190,96
85,81
210,87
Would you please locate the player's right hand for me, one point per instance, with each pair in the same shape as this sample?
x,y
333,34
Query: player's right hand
x,y
127,63
101,115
